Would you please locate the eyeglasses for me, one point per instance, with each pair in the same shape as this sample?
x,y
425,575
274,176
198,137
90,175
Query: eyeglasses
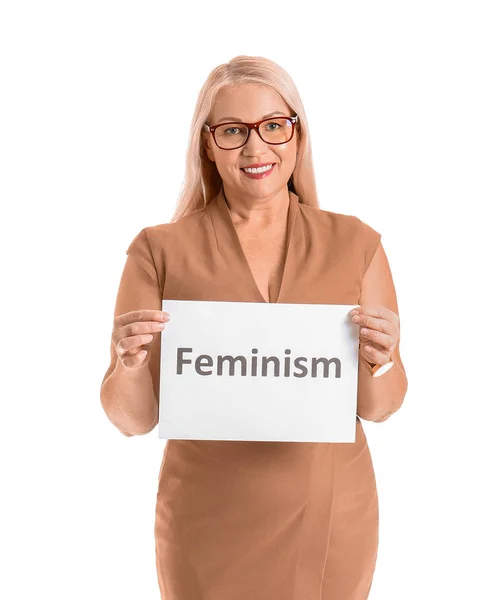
x,y
229,136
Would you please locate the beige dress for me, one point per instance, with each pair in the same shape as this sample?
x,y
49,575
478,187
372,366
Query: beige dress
x,y
250,520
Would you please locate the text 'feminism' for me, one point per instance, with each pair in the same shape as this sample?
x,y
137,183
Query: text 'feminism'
x,y
222,365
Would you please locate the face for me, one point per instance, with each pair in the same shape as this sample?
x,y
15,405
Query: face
x,y
251,103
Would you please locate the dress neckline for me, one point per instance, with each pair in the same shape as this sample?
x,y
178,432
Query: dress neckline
x,y
229,244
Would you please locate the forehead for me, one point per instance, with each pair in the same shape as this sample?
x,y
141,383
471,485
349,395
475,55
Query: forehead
x,y
247,102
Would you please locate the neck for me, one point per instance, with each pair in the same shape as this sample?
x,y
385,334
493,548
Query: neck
x,y
263,213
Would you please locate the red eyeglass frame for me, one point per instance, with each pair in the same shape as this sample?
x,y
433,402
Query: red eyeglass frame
x,y
250,127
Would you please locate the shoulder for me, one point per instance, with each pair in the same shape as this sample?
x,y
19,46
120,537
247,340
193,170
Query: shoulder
x,y
339,223
353,236
159,235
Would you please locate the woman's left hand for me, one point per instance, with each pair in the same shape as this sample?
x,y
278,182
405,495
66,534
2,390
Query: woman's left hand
x,y
379,332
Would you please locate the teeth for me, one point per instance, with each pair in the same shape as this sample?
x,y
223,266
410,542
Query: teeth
x,y
259,169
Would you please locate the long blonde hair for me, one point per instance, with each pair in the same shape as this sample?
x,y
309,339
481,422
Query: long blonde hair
x,y
202,181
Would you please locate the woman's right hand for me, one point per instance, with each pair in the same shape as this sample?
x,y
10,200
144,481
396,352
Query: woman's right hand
x,y
132,335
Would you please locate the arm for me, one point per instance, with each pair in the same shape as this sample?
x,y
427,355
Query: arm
x,y
130,397
380,397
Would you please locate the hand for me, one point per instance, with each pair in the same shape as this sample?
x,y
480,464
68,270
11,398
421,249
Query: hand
x,y
132,335
379,333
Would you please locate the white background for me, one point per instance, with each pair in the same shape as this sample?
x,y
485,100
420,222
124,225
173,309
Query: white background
x,y
96,101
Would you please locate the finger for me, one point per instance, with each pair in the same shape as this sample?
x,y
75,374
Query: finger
x,y
126,344
139,327
382,340
137,349
135,361
380,312
140,315
364,343
374,355
375,323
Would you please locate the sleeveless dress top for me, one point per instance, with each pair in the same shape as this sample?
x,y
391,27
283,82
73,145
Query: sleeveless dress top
x,y
245,520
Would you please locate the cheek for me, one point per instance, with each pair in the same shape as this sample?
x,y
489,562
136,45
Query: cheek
x,y
289,161
288,154
225,166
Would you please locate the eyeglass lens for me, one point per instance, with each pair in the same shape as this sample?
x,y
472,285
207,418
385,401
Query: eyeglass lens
x,y
273,131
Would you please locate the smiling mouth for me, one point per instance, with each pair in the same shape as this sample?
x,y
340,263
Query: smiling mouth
x,y
262,169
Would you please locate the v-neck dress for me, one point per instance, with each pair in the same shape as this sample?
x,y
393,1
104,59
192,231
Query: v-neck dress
x,y
245,520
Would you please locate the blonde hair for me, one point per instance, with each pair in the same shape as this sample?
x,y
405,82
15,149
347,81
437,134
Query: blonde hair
x,y
202,181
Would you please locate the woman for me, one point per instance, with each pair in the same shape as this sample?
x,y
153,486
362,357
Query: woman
x,y
257,520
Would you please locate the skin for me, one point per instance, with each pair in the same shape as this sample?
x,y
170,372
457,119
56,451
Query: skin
x,y
258,207
379,333
256,204
132,334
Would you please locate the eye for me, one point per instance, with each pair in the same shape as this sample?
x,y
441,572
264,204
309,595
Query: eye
x,y
273,128
229,129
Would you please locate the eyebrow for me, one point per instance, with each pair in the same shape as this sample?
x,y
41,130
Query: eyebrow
x,y
275,112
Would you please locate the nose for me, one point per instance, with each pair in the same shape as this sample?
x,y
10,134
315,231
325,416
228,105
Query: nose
x,y
254,142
